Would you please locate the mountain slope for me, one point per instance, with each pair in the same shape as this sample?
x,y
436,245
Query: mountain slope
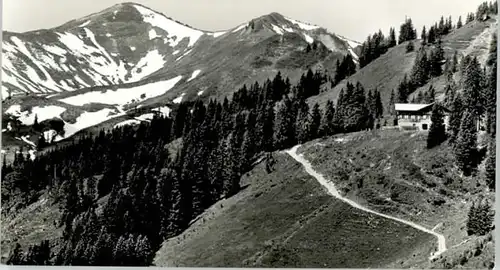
x,y
286,219
387,71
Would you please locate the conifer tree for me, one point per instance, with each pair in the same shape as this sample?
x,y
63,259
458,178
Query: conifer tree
x,y
457,110
378,105
403,90
302,123
420,71
268,127
36,126
490,167
491,101
231,173
315,122
356,112
407,32
459,23
437,132
283,125
472,88
248,149
392,101
424,35
392,38
449,95
465,148
480,219
328,125
431,94
436,60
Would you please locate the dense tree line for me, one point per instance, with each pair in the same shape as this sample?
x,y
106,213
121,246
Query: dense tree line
x,y
123,191
375,46
477,100
344,69
427,65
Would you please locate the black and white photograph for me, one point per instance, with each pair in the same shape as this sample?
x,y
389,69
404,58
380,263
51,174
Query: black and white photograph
x,y
249,134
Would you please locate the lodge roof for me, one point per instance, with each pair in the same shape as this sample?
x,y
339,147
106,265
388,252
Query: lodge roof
x,y
411,107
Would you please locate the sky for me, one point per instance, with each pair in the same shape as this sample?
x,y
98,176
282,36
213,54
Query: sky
x,y
354,19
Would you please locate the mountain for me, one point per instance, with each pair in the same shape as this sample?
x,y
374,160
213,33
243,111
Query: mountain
x,y
102,66
129,43
162,176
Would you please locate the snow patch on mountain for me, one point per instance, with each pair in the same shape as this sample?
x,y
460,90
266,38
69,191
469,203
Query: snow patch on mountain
x,y
149,64
42,113
86,120
171,27
309,39
218,34
303,26
26,140
353,44
152,34
84,24
179,98
49,135
186,53
277,29
145,117
46,81
122,96
165,111
194,75
127,123
100,62
14,110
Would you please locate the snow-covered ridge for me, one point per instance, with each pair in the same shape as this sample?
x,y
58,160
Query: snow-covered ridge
x,y
173,28
304,26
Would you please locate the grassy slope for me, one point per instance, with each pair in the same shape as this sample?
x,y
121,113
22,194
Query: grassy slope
x,y
398,176
388,70
31,225
286,219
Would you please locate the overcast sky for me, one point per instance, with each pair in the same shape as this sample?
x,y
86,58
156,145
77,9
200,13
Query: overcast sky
x,y
351,18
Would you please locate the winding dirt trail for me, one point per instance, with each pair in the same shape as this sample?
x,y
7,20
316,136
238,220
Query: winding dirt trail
x,y
334,192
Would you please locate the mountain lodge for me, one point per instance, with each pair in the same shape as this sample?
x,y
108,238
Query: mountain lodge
x,y
416,116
